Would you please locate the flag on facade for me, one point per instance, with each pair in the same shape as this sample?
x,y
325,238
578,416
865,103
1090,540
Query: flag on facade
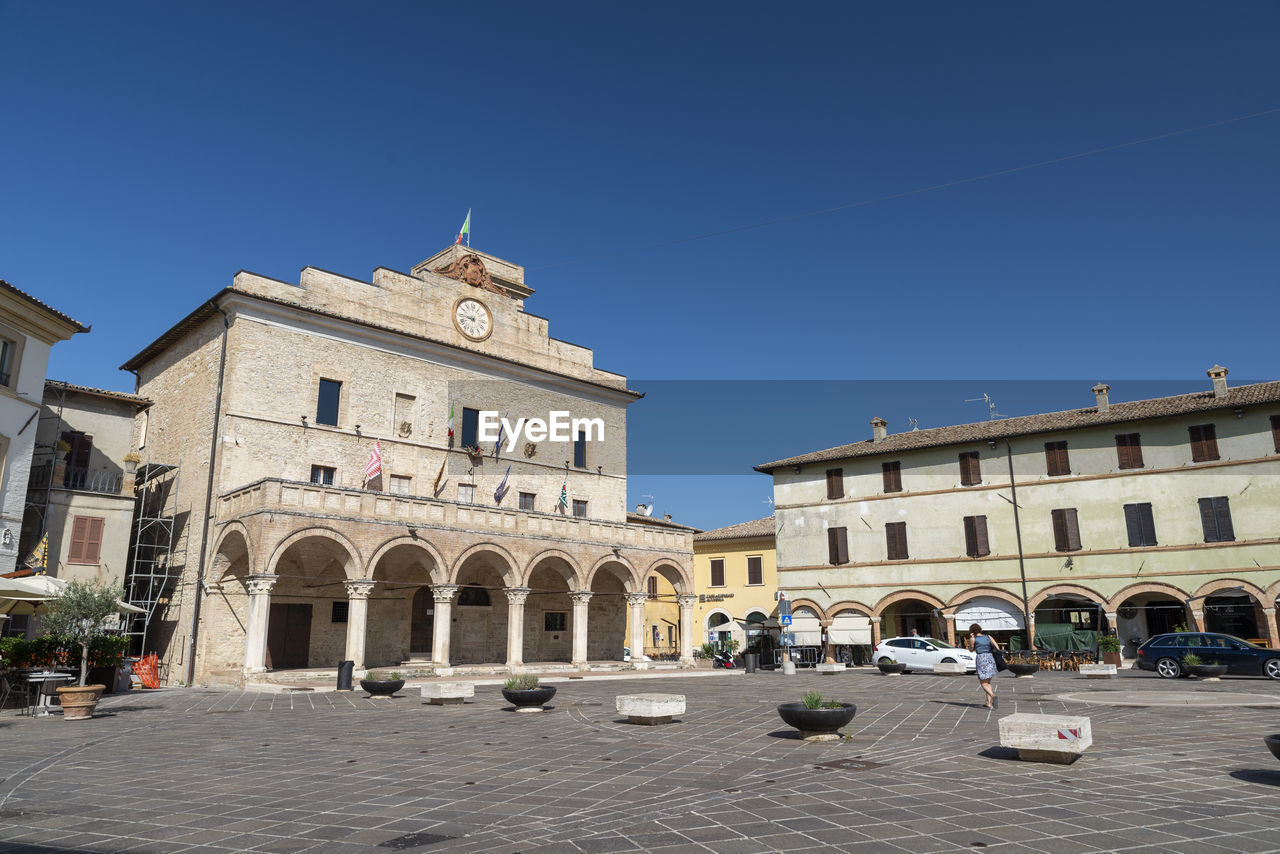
x,y
435,489
451,423
466,230
39,557
373,468
501,492
497,446
564,496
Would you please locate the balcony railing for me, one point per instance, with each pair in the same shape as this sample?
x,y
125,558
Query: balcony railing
x,y
76,478
363,505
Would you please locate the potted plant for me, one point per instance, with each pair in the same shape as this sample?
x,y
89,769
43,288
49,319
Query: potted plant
x,y
1022,666
106,654
525,694
1202,669
1109,646
889,667
131,461
80,616
817,718
381,684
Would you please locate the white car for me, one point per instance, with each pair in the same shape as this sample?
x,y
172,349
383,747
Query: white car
x,y
923,653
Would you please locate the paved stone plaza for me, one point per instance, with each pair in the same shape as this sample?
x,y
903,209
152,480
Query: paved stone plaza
x,y
201,770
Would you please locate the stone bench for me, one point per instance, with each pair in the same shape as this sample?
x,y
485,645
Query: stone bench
x,y
826,669
650,709
1098,671
949,668
1046,738
447,693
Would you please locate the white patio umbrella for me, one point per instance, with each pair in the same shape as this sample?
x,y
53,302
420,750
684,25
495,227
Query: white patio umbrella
x,y
30,595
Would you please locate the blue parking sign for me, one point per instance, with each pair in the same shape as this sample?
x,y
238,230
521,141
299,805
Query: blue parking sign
x,y
784,620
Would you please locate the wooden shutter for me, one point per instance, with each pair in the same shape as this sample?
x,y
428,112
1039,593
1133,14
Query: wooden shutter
x,y
86,540
1133,524
1066,530
653,587
1056,460
837,545
1208,520
1204,443
1215,516
755,571
1073,530
835,483
1148,522
895,535
975,536
75,554
1129,450
970,469
717,572
892,476
980,529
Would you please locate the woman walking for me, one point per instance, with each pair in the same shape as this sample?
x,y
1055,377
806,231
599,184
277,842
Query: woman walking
x,y
983,644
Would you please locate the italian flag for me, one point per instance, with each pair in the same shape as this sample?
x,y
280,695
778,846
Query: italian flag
x,y
466,229
564,495
451,422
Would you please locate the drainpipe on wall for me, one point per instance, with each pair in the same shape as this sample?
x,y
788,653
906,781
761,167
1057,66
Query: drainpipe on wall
x,y
208,502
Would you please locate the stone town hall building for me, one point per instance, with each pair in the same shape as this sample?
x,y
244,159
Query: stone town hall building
x,y
269,398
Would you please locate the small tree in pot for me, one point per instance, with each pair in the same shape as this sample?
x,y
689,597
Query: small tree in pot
x,y
1109,646
80,615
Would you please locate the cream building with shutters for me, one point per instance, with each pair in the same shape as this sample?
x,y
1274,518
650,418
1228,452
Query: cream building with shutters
x,y
270,397
1137,517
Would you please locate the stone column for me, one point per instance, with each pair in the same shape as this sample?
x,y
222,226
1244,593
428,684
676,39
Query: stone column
x,y
1273,636
824,626
581,599
875,632
1031,630
516,597
442,625
687,601
1197,618
357,619
255,641
949,624
635,619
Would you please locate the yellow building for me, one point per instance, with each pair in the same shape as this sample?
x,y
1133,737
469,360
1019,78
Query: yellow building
x,y
661,641
735,576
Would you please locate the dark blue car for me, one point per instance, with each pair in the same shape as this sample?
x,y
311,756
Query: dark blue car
x,y
1164,654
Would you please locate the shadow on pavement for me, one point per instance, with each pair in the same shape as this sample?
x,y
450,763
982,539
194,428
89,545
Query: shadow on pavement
x,y
1257,775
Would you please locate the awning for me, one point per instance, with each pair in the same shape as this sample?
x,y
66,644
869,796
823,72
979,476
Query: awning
x,y
807,629
852,629
30,595
989,612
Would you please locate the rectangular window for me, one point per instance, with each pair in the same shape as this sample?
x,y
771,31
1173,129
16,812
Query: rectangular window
x,y
340,612
401,484
579,508
975,536
1129,450
970,469
651,587
467,493
895,536
86,539
555,621
323,475
1204,443
835,483
892,476
1066,530
1055,459
470,428
580,451
656,637
755,570
1141,524
10,353
671,636
1215,516
1275,432
838,545
327,400
526,500
717,572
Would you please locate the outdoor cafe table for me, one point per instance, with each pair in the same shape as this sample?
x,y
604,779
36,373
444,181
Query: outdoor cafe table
x,y
43,678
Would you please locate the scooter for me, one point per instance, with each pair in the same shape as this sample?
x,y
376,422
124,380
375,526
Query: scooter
x,y
723,659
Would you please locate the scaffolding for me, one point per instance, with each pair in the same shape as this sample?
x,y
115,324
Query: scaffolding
x,y
154,563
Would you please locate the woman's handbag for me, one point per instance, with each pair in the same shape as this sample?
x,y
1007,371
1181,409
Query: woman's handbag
x,y
999,658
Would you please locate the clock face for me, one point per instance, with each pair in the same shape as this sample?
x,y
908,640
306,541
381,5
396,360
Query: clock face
x,y
472,318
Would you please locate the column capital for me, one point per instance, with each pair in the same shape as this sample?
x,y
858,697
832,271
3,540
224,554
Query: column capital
x,y
1270,612
517,595
444,593
687,600
634,599
359,588
1199,615
581,597
260,584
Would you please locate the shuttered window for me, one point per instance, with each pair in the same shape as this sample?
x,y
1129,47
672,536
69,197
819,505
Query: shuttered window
x,y
1129,450
1141,524
1204,443
86,540
838,545
1275,432
970,469
892,476
653,586
717,572
895,536
1066,530
975,536
835,483
755,571
1215,516
1055,459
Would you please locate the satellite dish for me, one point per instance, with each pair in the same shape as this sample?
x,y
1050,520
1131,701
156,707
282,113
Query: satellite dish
x,y
645,509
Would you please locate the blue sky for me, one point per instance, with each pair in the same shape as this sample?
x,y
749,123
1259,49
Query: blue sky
x,y
152,150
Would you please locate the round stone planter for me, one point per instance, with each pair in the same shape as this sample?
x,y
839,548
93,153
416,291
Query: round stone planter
x,y
79,701
891,668
1273,744
1023,669
817,724
529,699
381,687
1207,672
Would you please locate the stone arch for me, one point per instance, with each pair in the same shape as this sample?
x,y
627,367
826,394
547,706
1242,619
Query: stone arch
x,y
439,572
903,595
1211,587
225,538
510,576
1055,590
574,577
354,563
706,620
1211,617
1144,587
631,582
675,574
850,605
993,592
226,605
811,605
1273,593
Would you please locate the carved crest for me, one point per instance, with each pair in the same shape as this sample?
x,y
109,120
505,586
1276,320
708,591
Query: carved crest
x,y
470,269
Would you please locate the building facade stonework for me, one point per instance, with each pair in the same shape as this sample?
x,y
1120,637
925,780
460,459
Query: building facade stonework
x,y
455,552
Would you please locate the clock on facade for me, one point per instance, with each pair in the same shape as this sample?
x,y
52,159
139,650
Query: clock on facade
x,y
472,318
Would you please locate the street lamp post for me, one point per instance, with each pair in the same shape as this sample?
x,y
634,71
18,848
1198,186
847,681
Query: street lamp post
x,y
1017,529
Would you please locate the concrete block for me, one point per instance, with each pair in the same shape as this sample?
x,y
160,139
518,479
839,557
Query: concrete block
x,y
447,693
650,709
944,668
828,669
1046,738
1098,671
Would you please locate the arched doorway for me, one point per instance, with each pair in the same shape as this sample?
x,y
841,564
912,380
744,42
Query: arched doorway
x,y
479,631
720,629
607,611
548,613
998,617
1233,613
401,608
1069,621
1145,615
906,616
307,624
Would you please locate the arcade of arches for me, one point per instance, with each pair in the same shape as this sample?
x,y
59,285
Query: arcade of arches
x,y
310,600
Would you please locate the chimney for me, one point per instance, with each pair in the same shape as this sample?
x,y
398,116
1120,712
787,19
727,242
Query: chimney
x,y
666,517
1101,390
1219,376
877,429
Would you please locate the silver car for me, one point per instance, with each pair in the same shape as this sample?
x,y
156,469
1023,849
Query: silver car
x,y
917,653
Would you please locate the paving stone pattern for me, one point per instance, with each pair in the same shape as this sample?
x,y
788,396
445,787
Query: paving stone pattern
x,y
199,770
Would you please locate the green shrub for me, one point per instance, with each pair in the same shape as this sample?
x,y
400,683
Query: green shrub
x,y
80,614
523,682
1192,660
1108,643
812,700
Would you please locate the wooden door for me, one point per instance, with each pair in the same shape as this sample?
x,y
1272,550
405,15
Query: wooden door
x,y
421,619
288,636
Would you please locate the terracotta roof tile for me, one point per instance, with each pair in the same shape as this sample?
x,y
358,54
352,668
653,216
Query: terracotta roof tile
x,y
29,298
753,530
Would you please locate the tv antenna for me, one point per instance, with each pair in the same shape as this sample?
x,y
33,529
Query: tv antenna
x,y
991,405
768,501
645,509
915,424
